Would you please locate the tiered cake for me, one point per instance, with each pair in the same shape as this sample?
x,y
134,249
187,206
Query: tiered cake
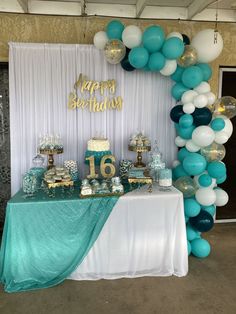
x,y
97,147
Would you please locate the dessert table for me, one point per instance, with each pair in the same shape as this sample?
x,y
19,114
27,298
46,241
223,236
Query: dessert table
x,y
47,240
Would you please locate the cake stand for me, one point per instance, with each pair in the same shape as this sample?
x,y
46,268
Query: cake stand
x,y
50,153
139,150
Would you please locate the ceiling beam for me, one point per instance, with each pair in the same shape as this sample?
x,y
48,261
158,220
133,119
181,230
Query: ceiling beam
x,y
140,5
198,6
24,5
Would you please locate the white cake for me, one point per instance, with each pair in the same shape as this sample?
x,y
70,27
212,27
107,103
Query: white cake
x,y
98,145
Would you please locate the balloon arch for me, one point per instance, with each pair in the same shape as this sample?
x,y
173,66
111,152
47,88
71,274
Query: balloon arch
x,y
202,122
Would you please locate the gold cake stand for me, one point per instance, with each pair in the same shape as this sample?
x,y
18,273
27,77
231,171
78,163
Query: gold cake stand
x,y
139,150
50,153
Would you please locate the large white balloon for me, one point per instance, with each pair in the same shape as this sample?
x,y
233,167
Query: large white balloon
x,y
100,39
205,196
203,136
132,36
188,96
169,68
179,141
191,147
228,129
222,197
211,98
176,163
208,49
175,34
188,108
221,137
203,87
200,101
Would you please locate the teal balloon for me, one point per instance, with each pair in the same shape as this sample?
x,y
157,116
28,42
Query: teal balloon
x,y
191,233
114,29
192,76
206,70
156,61
191,207
205,180
216,169
153,38
173,48
179,172
217,124
200,248
182,153
185,133
221,179
189,248
177,90
186,219
186,121
194,164
210,209
138,57
177,75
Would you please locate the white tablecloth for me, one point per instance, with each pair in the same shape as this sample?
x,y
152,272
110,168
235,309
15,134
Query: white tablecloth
x,y
145,235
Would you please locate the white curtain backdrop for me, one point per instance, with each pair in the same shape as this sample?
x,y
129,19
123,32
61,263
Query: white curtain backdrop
x,y
41,78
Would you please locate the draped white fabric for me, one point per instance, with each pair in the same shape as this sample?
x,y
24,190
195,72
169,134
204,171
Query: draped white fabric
x,y
144,235
41,78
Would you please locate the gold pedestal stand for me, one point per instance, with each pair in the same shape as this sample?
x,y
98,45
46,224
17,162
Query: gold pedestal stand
x,y
139,150
50,153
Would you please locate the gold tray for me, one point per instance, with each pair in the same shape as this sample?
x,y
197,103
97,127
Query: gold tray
x,y
51,151
59,184
101,195
147,180
139,148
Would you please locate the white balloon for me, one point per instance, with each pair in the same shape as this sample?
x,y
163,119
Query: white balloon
x,y
203,87
169,68
175,34
200,101
211,98
188,108
222,197
188,96
207,48
192,147
205,196
213,183
221,137
132,36
100,39
179,141
203,136
228,129
175,163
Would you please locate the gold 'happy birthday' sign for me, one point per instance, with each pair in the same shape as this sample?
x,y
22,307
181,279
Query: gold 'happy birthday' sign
x,y
83,85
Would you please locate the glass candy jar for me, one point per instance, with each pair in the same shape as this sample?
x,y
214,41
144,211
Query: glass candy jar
x,y
165,178
38,170
29,184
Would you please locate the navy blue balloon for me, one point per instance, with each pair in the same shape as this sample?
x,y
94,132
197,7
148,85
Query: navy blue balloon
x,y
203,222
202,116
176,112
186,39
126,65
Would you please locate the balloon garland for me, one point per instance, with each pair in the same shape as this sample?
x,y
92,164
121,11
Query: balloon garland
x,y
202,123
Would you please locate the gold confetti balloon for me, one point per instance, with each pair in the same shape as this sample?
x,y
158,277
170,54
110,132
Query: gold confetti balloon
x,y
225,105
186,185
213,152
189,57
114,51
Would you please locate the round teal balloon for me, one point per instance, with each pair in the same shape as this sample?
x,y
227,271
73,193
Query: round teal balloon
x,y
206,70
177,75
173,48
200,248
218,124
182,153
191,233
205,180
138,57
177,90
156,61
191,207
153,38
221,179
192,76
114,29
194,164
185,133
179,172
186,121
210,209
189,248
216,169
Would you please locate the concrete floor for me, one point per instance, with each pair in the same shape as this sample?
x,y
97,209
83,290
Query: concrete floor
x,y
210,287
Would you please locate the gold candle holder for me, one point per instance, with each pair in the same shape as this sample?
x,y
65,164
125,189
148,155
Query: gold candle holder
x,y
50,153
139,150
